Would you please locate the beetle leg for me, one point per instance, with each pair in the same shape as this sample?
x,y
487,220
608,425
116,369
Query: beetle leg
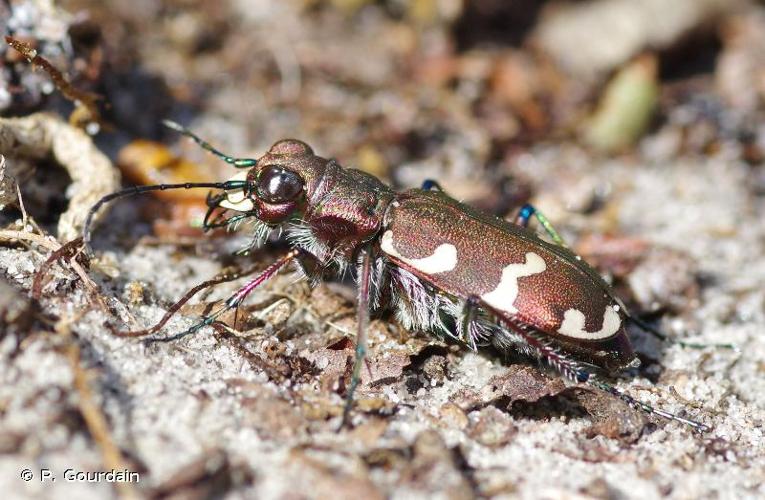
x,y
224,278
564,365
468,315
525,214
430,184
236,299
362,318
577,373
664,338
646,408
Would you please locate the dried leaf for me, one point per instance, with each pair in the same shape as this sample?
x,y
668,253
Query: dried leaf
x,y
516,383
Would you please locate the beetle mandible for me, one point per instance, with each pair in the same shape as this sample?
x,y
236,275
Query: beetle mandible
x,y
438,264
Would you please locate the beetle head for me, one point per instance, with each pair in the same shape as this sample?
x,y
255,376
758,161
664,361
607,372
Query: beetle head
x,y
279,185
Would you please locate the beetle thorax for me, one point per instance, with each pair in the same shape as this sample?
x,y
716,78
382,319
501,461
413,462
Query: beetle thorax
x,y
344,210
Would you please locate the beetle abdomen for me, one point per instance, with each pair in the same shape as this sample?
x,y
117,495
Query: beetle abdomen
x,y
513,272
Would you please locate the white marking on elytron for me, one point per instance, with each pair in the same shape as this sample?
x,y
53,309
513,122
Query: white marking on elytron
x,y
235,199
444,257
503,297
573,324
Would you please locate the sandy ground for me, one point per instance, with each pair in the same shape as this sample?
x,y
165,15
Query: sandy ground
x,y
256,416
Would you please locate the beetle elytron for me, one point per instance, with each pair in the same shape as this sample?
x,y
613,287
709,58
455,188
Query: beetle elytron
x,y
440,265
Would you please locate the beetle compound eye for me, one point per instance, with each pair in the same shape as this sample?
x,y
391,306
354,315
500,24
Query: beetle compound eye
x,y
278,185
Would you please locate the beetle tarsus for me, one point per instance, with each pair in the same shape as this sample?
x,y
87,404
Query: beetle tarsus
x,y
646,408
235,299
172,310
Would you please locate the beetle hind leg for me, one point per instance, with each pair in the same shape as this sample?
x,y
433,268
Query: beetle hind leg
x,y
537,345
665,338
577,372
645,407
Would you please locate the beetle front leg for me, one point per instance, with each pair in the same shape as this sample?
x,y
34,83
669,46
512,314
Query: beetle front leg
x,y
236,299
362,318
527,211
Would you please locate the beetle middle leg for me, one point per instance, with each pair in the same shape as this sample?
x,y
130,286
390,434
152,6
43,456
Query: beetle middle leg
x,y
469,311
365,270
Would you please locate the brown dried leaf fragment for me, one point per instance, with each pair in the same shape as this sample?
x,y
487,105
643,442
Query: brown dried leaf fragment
x,y
436,470
517,383
15,309
42,135
335,361
740,71
209,476
491,427
612,418
617,255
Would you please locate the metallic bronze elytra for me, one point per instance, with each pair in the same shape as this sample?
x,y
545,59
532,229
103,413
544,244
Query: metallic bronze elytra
x,y
492,255
438,264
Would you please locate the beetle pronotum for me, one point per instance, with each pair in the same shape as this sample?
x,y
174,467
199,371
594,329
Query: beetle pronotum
x,y
438,264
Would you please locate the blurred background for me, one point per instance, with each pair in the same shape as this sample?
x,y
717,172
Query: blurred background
x,y
459,91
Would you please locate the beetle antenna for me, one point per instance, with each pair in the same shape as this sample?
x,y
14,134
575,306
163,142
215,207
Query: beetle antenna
x,y
131,191
664,338
236,162
639,405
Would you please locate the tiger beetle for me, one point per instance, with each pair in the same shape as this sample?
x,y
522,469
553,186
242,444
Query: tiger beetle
x,y
438,264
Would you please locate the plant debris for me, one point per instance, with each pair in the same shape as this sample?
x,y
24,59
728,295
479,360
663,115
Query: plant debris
x,y
85,114
42,135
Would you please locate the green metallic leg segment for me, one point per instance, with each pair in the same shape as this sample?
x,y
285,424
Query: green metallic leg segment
x,y
361,332
525,214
